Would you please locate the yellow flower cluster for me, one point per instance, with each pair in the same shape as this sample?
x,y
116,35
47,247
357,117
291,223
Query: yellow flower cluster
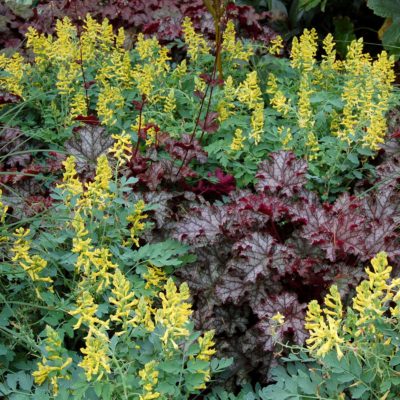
x,y
149,377
122,147
170,103
135,220
14,68
154,277
225,105
78,104
328,327
32,265
206,351
304,50
52,366
278,100
174,312
238,140
234,49
110,99
249,93
276,45
324,325
195,42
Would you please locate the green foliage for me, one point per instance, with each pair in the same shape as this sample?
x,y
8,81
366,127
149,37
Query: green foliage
x,y
390,35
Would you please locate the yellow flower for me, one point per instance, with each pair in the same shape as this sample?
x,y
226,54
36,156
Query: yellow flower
x,y
52,366
304,50
135,219
96,361
149,379
122,147
278,100
14,67
248,92
276,45
257,122
195,42
235,49
40,45
110,99
86,309
154,277
144,76
146,47
78,104
238,140
181,70
278,318
170,103
124,300
174,312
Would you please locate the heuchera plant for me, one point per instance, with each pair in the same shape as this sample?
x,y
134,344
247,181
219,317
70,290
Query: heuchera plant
x,y
269,252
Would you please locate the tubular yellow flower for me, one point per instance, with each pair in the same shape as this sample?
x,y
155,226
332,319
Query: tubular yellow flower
x,y
226,105
195,42
181,70
278,318
257,122
286,138
144,76
65,47
15,67
89,38
170,103
329,58
96,361
146,47
32,265
154,277
278,100
116,68
235,49
110,98
86,309
52,366
122,147
78,104
149,379
40,45
238,140
66,77
175,312
249,93
70,183
124,300
324,331
304,50
276,45
135,219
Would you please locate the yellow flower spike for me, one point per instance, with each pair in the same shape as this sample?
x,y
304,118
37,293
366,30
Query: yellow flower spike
x,y
78,104
329,58
181,69
40,45
144,76
170,103
149,379
122,147
154,277
175,311
206,344
248,92
15,67
146,47
257,122
235,49
87,308
110,98
135,220
123,299
195,42
238,140
96,360
52,367
276,45
304,50
70,183
278,100
333,303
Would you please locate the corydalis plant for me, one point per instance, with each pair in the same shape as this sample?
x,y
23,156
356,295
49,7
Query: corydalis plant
x,y
323,112
117,324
